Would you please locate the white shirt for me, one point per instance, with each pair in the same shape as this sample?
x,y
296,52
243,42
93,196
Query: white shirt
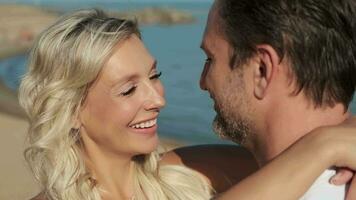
x,y
323,190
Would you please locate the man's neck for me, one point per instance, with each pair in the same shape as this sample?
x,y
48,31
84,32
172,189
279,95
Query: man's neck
x,y
288,123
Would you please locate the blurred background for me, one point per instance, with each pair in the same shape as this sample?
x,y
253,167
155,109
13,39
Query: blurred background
x,y
172,31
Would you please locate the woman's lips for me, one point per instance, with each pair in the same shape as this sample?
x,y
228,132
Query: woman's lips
x,y
146,131
147,127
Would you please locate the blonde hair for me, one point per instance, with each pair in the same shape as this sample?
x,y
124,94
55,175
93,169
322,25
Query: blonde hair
x,y
66,59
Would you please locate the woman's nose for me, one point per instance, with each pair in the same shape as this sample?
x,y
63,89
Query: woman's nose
x,y
155,97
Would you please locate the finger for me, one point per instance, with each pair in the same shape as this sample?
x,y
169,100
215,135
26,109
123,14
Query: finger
x,y
351,192
341,177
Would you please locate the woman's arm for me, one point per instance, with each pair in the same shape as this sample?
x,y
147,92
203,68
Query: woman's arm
x,y
286,177
291,174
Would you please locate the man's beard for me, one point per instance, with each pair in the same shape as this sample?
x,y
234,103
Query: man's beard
x,y
232,120
235,129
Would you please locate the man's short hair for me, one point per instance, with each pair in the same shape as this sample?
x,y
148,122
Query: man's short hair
x,y
317,36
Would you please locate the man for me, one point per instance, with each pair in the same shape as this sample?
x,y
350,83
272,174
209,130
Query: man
x,y
277,69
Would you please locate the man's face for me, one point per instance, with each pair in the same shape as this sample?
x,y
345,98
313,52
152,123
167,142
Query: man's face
x,y
226,86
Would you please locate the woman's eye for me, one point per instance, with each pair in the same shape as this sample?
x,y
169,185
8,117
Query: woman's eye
x,y
129,91
156,76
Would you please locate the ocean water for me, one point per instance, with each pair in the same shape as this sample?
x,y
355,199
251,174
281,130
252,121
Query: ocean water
x,y
189,111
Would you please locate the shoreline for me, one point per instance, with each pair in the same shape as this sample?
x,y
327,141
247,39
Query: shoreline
x,y
8,52
20,24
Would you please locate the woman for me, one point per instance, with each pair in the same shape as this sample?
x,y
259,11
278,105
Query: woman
x,y
93,96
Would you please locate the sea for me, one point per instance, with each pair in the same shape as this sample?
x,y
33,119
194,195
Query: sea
x,y
189,110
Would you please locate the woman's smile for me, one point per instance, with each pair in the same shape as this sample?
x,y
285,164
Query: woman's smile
x,y
146,127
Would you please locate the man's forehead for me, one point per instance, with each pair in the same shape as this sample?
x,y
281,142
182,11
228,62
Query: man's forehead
x,y
212,25
213,18
207,44
208,37
211,38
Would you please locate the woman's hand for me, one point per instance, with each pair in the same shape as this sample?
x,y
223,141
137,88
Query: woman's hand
x,y
340,142
345,175
341,139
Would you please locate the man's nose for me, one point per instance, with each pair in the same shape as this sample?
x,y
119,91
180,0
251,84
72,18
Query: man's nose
x,y
203,79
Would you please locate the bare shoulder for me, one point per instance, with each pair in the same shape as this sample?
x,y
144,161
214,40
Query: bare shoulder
x,y
223,165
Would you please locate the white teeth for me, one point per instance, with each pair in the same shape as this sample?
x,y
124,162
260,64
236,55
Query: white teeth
x,y
147,124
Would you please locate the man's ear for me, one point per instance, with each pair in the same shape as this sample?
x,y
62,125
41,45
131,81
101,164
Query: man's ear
x,y
268,60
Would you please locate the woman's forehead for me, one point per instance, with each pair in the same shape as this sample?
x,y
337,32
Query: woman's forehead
x,y
129,57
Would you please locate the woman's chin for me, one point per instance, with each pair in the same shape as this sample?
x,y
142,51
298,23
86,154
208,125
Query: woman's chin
x,y
148,146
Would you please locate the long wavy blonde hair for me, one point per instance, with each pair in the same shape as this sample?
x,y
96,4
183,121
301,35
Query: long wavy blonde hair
x,y
65,60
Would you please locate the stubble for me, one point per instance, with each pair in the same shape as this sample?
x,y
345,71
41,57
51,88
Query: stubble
x,y
233,112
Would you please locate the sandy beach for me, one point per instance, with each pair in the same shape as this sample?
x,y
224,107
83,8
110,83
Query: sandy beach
x,y
16,182
19,25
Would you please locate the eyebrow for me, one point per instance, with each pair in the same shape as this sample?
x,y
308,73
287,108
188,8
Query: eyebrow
x,y
154,65
132,76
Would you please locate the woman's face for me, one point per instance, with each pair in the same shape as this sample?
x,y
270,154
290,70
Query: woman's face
x,y
120,112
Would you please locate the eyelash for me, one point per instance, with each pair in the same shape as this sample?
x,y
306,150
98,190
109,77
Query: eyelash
x,y
133,88
156,76
129,91
207,62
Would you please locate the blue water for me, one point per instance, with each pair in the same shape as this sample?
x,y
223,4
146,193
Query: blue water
x,y
189,111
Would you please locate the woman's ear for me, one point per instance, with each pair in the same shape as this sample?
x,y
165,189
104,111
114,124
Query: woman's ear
x,y
77,123
268,60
